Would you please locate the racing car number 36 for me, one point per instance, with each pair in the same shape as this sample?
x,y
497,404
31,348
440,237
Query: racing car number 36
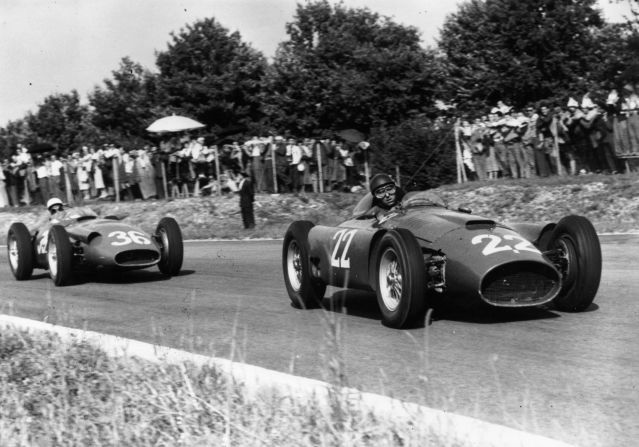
x,y
129,237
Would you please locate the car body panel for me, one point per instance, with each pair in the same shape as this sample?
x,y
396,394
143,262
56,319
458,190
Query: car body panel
x,y
103,242
483,258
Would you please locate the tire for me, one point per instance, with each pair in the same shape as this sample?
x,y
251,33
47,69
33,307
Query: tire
x,y
169,235
20,251
59,255
304,291
579,262
399,276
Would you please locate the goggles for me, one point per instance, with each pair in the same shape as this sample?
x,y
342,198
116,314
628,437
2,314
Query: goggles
x,y
383,190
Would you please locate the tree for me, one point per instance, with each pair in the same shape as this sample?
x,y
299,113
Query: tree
x,y
344,68
211,75
422,149
60,120
125,106
520,52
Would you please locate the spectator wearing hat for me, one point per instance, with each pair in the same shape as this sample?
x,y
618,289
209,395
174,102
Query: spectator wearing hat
x,y
577,151
247,197
529,142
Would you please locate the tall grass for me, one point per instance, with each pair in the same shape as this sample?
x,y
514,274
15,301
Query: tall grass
x,y
73,394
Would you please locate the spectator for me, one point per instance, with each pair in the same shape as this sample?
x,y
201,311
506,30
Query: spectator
x,y
4,197
246,201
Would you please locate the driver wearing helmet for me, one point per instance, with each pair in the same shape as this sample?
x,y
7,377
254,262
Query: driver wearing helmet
x,y
386,196
54,205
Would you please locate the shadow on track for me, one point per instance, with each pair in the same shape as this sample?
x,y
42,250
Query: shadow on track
x,y
107,276
363,304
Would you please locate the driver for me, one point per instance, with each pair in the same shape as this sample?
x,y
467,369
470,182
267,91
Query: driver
x,y
60,214
54,205
386,195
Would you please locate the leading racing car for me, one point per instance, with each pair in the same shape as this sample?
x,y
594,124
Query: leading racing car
x,y
85,241
424,252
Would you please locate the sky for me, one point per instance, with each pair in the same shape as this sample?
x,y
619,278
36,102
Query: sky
x,y
55,46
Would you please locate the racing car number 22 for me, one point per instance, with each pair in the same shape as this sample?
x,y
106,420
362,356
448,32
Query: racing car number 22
x,y
342,260
495,245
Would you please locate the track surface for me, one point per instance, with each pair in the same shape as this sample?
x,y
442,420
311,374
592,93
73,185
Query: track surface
x,y
572,377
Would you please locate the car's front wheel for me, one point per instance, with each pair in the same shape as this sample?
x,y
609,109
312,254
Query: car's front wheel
x,y
303,289
20,251
400,284
59,255
169,235
575,250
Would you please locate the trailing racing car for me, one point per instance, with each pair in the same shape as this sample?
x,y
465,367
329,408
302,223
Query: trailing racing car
x,y
83,240
423,252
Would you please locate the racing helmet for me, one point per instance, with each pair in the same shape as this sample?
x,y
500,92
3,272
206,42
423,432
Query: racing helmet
x,y
379,180
53,202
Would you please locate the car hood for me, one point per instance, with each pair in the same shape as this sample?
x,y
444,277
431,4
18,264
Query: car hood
x,y
431,223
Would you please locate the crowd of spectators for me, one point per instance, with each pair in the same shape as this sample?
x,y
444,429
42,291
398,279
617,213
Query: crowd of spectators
x,y
579,138
182,166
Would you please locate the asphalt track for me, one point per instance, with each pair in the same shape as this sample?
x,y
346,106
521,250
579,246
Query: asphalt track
x,y
572,377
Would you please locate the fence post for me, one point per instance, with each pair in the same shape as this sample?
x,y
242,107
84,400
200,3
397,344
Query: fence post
x,y
163,170
116,178
397,178
217,170
320,174
67,185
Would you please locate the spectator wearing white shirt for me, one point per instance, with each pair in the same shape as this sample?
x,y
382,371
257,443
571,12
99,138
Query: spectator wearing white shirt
x,y
55,173
294,154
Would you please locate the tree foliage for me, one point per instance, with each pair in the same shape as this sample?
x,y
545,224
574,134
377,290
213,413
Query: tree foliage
x,y
343,68
211,75
60,121
126,104
422,149
520,52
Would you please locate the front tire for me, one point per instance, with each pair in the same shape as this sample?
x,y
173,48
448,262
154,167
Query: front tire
x,y
59,255
400,284
303,289
578,258
172,252
20,251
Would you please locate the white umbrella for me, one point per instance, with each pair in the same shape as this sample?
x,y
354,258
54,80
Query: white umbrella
x,y
174,123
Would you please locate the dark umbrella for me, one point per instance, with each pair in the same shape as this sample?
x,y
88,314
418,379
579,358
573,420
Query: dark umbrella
x,y
40,148
351,135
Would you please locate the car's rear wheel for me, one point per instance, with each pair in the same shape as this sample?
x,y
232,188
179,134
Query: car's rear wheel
x,y
400,287
20,251
575,250
303,289
59,255
169,235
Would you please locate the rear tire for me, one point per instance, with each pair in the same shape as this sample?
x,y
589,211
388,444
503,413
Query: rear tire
x,y
20,251
305,291
172,246
59,255
580,264
399,275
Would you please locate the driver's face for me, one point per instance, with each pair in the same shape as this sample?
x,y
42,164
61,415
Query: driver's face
x,y
387,194
55,208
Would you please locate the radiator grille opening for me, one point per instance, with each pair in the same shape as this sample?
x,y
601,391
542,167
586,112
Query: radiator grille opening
x,y
520,284
136,257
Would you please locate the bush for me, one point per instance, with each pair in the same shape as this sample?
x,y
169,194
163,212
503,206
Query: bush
x,y
423,149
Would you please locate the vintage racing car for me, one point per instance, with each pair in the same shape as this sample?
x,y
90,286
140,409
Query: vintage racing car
x,y
83,240
424,252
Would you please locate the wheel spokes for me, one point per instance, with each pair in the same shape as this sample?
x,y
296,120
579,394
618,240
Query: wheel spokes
x,y
13,253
